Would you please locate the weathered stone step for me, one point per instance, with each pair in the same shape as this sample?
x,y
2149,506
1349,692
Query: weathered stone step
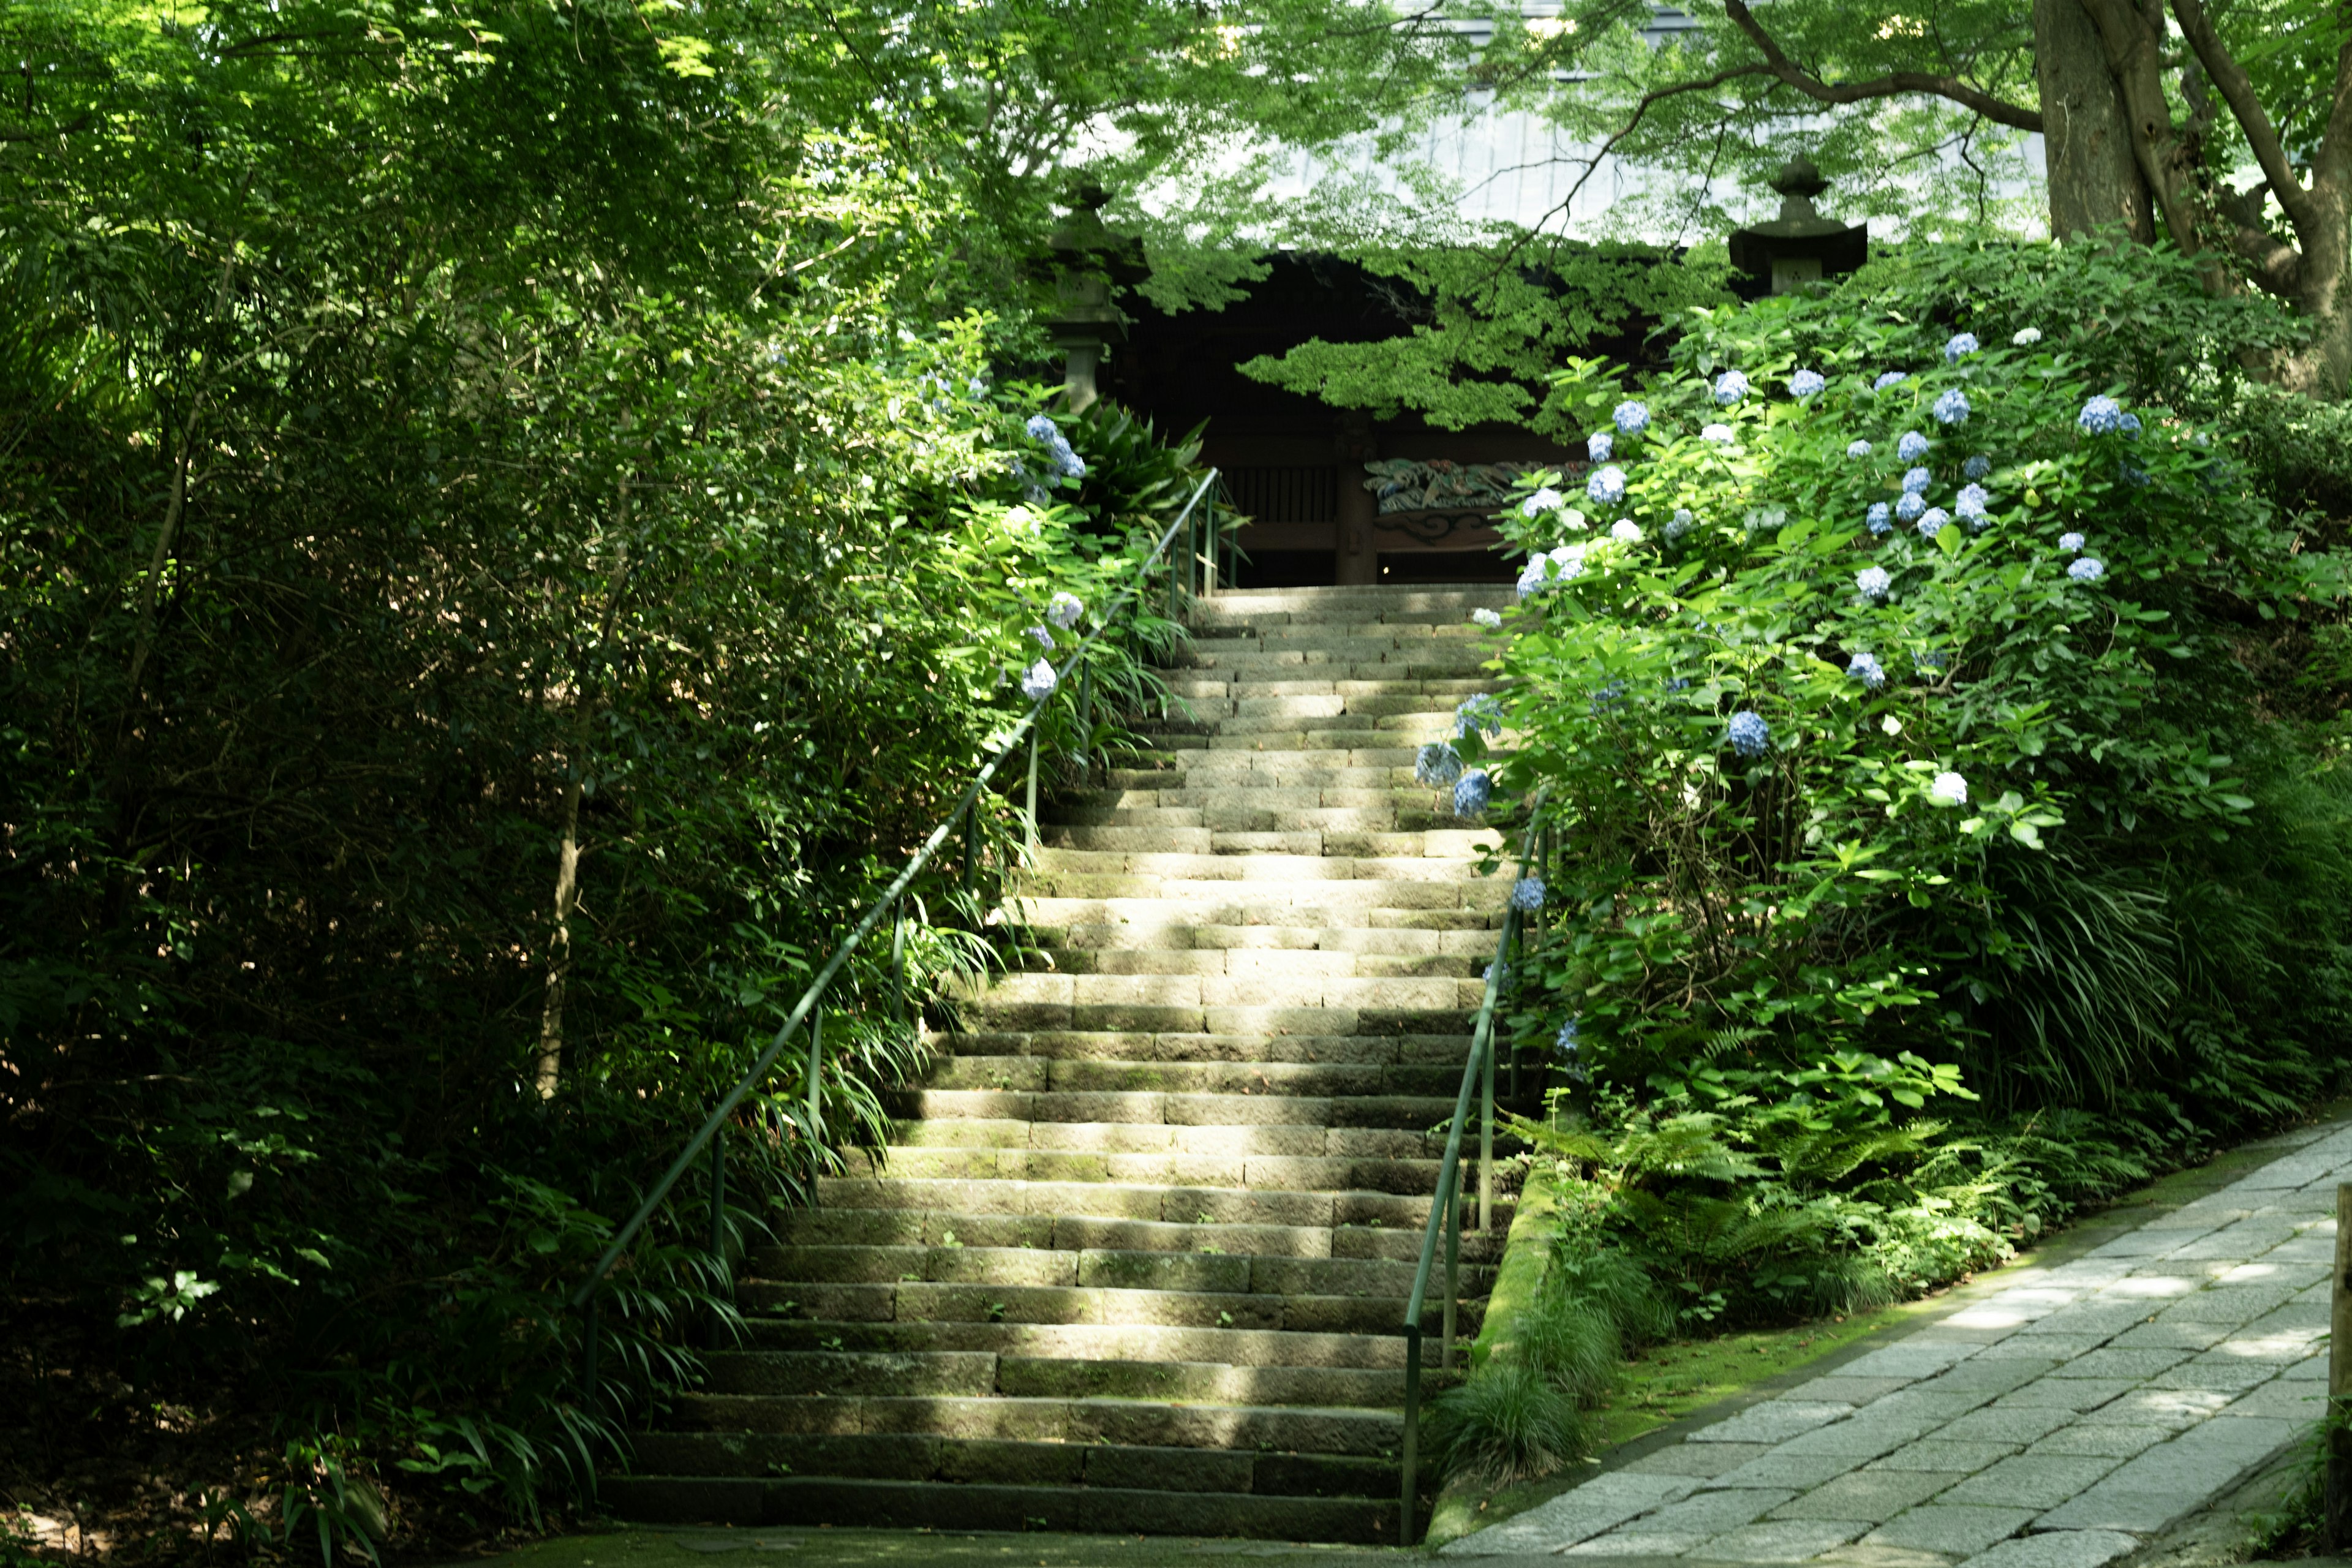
x,y
914,1300
1427,661
1440,861
1245,832
1373,1106
914,1457
1203,1273
801,1501
1222,906
974,1373
1086,1341
1196,1206
1252,962
912,1229
1195,686
1237,900
1162,935
1290,1172
1289,1081
1143,1138
1367,1431
1091,1045
1162,1002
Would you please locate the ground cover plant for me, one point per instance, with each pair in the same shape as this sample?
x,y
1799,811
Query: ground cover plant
x,y
1927,852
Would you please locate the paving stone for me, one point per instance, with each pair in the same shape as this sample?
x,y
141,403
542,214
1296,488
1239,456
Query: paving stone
x,y
2147,1493
2215,1369
1843,1390
1700,1461
2231,1304
1598,1504
2172,1336
1710,1512
2170,1407
1781,1540
2033,1481
2019,1424
1937,1454
2307,1368
1778,1468
1772,1421
2105,1442
1874,1495
2116,1361
1953,1530
2281,1399
2100,1321
1906,1361
2057,1549
1660,1544
2047,1349
2056,1393
1863,1437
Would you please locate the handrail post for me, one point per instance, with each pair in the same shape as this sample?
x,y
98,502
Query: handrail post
x,y
1453,1263
970,837
899,969
1085,722
1034,730
718,1225
1486,1145
1410,1502
816,1102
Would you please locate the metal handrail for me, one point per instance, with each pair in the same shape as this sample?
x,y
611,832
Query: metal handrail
x,y
806,1009
1445,1206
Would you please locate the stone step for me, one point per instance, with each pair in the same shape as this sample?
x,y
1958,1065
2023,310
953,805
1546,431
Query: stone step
x,y
1195,687
1254,900
1232,1346
1151,1108
972,1375
1292,1172
1200,1273
1255,961
917,1300
1441,860
1145,1138
1219,772
809,1501
1365,836
1152,807
913,1228
916,1457
1430,661
1062,942
1114,1200
1070,1084
1223,907
1370,1432
1449,1048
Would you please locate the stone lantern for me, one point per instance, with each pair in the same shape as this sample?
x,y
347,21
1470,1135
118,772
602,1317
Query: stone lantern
x,y
1800,246
1085,323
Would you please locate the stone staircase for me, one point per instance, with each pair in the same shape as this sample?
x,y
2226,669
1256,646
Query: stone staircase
x,y
1137,1257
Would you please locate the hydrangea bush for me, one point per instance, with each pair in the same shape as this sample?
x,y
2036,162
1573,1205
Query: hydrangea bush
x,y
1837,744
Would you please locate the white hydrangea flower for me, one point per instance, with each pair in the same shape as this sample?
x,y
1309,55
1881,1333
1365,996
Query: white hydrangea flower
x,y
2027,337
1949,789
1625,531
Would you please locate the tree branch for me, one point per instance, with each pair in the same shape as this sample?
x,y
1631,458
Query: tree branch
x,y
2237,90
1893,85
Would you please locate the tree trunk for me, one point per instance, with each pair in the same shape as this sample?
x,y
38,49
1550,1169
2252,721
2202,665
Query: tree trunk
x,y
2094,180
2323,368
559,954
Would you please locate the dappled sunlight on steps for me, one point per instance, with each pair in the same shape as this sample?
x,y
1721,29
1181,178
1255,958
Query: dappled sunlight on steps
x,y
1137,1255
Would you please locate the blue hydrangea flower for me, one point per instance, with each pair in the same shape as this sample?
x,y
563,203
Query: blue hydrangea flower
x,y
1678,683
1490,619
2132,474
1630,417
1543,500
2129,424
1045,637
1608,696
1932,520
1748,733
2070,542
1914,478
1567,1041
1041,427
1437,764
1873,582
1471,795
1678,524
1878,524
1962,345
1073,466
1532,579
1481,713
2102,415
1952,408
1912,446
1909,505
1971,506
2086,569
1806,382
1718,434
1600,445
1949,789
1607,485
1891,378
1500,974
1857,448
1039,682
1731,387
1930,659
1976,468
1865,668
1528,894
1065,609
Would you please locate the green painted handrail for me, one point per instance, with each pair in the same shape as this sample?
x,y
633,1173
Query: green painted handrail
x,y
806,1009
1445,1204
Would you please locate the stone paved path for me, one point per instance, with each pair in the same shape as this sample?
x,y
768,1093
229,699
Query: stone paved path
x,y
2059,1421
